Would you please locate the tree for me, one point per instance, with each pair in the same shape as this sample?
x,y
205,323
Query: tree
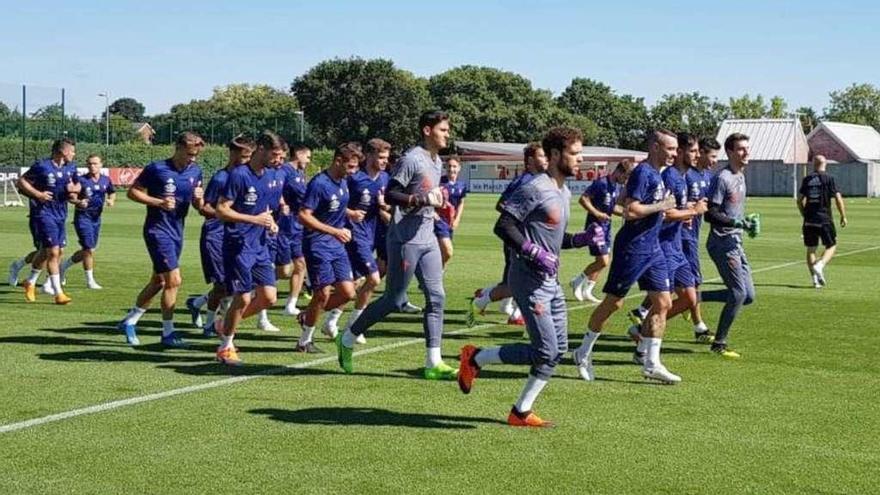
x,y
53,111
5,112
778,108
688,112
809,118
128,108
488,104
356,100
857,104
745,107
231,110
621,119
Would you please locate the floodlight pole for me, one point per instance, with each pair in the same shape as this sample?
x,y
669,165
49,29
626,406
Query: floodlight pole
x,y
302,124
794,183
106,96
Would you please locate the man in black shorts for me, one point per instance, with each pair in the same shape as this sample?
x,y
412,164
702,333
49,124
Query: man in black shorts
x,y
814,202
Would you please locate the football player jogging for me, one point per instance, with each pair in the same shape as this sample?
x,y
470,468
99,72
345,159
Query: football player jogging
x,y
96,191
535,163
637,257
601,202
449,215
50,183
324,212
245,206
366,189
726,215
532,224
680,273
166,188
211,238
814,203
293,192
413,190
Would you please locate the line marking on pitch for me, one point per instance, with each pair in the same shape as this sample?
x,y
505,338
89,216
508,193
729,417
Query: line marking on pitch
x,y
117,404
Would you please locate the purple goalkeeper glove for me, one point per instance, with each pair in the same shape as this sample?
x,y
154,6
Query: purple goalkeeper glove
x,y
594,235
543,260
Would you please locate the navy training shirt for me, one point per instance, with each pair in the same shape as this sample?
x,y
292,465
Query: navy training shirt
x,y
641,236
327,199
162,179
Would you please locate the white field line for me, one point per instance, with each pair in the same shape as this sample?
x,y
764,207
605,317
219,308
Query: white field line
x,y
117,404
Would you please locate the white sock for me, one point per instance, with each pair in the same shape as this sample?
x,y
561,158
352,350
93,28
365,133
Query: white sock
x,y
264,316
819,265
167,327
200,301
589,287
66,264
433,357
55,279
579,279
507,306
134,315
701,327
484,298
653,346
355,314
291,302
348,338
333,317
530,392
226,341
306,336
590,339
225,303
517,314
35,274
642,346
209,318
643,311
489,355
90,276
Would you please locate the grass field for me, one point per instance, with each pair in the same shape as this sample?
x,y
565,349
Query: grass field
x,y
798,414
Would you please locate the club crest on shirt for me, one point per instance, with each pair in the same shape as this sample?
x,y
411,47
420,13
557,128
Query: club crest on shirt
x,y
89,192
334,203
659,192
50,180
250,198
170,186
366,198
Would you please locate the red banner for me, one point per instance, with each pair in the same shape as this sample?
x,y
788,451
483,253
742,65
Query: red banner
x,y
124,176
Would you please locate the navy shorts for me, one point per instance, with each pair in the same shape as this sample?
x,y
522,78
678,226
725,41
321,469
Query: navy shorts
x,y
361,259
32,226
815,232
691,251
246,268
164,251
49,232
381,247
507,259
295,241
279,249
327,268
603,250
87,231
211,250
442,229
649,270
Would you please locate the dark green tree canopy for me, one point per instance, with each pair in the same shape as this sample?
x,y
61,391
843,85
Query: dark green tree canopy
x,y
128,108
621,119
857,104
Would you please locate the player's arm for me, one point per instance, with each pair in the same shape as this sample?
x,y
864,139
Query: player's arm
x,y
111,199
619,205
25,186
396,195
697,209
458,212
208,211
225,212
138,193
587,203
198,196
841,208
801,203
633,209
355,215
307,218
715,216
509,229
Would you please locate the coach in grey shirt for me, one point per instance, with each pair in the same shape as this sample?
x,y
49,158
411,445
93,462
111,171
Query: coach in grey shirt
x,y
413,190
727,202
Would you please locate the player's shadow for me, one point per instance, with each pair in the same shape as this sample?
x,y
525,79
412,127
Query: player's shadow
x,y
786,286
114,356
413,333
368,416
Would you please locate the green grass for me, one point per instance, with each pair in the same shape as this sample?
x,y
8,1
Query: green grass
x,y
798,414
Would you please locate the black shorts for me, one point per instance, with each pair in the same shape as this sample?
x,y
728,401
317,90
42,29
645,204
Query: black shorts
x,y
825,231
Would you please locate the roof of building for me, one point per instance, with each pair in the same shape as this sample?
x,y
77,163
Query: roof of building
x,y
861,141
770,139
504,151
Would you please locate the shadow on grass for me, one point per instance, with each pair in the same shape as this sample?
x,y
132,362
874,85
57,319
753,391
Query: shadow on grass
x,y
787,286
366,416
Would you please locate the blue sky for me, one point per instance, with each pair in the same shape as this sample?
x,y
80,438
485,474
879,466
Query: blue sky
x,y
165,52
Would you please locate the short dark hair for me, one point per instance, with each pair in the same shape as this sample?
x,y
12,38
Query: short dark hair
x,y
686,140
59,144
348,150
432,118
270,141
300,147
530,151
378,145
655,135
453,158
709,143
731,140
623,165
187,138
93,155
558,138
241,143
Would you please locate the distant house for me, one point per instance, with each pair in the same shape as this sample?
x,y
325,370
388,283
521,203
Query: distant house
x,y
854,155
777,146
144,130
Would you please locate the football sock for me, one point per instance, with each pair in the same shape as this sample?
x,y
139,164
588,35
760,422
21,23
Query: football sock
x,y
55,278
35,274
433,357
90,276
306,336
209,318
227,341
489,355
653,348
66,264
701,327
530,392
333,317
291,303
134,315
167,327
264,316
590,339
588,289
200,301
355,314
348,338
484,298
579,279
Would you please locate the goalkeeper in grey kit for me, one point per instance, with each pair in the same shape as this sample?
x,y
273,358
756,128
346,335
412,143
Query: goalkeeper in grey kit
x,y
726,214
532,225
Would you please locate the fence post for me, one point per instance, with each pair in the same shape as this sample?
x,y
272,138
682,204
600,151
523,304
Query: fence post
x,y
23,121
